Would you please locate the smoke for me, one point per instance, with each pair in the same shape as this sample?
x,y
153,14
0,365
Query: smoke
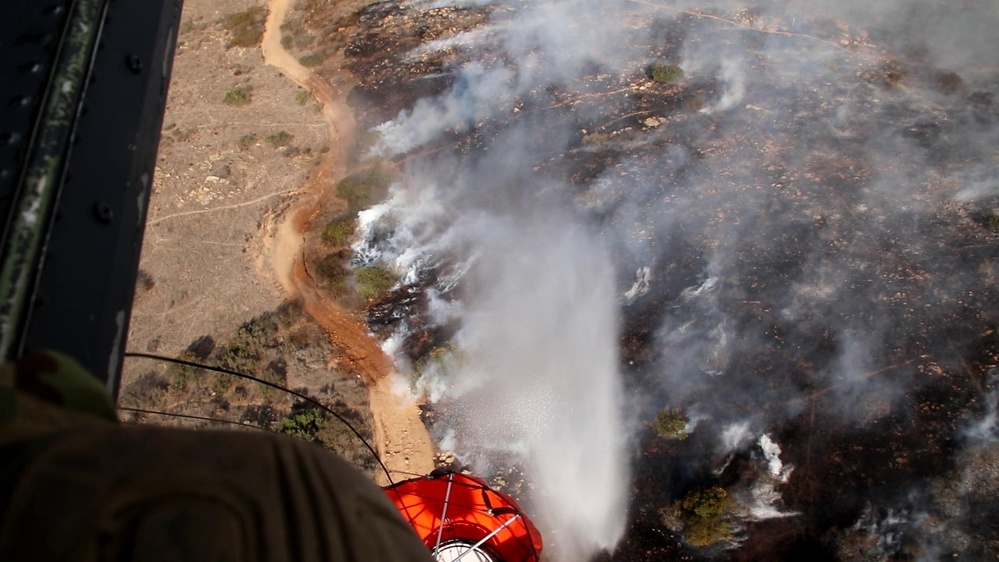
x,y
787,227
811,207
531,377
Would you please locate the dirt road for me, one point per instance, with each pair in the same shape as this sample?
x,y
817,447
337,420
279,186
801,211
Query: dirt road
x,y
401,438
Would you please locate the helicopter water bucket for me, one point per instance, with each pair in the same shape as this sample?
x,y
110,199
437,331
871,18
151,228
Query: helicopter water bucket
x,y
459,517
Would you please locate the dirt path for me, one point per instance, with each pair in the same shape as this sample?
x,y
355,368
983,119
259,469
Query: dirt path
x,y
401,439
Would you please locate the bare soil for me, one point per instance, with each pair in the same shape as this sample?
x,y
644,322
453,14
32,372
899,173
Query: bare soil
x,y
231,216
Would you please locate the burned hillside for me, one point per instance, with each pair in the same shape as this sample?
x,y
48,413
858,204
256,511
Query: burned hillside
x,y
800,216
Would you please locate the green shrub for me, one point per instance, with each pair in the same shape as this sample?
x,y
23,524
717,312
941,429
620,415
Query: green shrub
x,y
303,423
334,273
339,231
706,503
671,423
706,532
303,96
703,515
280,139
147,391
240,95
181,376
247,27
313,59
666,73
223,383
364,189
248,346
247,140
374,281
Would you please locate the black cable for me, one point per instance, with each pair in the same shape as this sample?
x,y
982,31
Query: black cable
x,y
272,385
192,417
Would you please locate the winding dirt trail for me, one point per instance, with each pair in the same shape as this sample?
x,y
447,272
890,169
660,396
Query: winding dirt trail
x,y
401,438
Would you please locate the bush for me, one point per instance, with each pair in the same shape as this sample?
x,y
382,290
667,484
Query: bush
x,y
247,27
339,231
671,423
706,503
706,532
146,392
666,73
223,383
374,281
247,349
334,273
240,95
312,60
181,376
337,438
364,189
303,422
280,139
303,96
247,140
703,514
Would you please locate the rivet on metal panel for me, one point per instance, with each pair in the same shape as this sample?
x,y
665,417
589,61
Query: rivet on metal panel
x,y
134,63
103,212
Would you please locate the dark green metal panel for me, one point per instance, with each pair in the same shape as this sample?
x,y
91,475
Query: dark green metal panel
x,y
75,182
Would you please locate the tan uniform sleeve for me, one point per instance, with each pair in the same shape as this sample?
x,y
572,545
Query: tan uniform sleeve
x,y
142,493
75,485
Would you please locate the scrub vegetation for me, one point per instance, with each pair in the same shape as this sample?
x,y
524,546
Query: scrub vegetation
x,y
339,230
375,281
240,95
701,516
671,423
664,73
246,28
364,189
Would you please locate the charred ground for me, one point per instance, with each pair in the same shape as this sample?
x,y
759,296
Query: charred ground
x,y
814,217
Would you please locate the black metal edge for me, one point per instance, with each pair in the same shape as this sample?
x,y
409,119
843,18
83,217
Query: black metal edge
x,y
85,292
39,184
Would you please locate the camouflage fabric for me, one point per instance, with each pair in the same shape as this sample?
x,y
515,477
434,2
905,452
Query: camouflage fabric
x,y
47,391
75,485
56,378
